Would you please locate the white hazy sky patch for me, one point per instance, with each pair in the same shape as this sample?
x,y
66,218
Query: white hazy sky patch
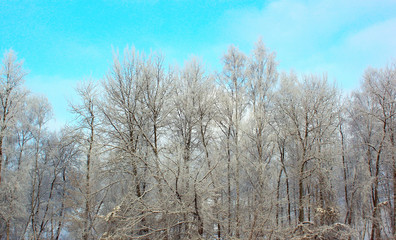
x,y
59,92
338,37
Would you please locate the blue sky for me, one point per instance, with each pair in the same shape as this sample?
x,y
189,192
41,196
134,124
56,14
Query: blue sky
x,y
64,42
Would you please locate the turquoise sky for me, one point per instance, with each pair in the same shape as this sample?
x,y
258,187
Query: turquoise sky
x,y
64,42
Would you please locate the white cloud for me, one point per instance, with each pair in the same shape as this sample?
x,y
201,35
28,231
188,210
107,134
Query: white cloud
x,y
340,37
379,39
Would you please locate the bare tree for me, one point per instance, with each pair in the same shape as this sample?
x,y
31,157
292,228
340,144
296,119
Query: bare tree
x,y
310,108
234,81
41,113
87,114
262,78
11,94
375,113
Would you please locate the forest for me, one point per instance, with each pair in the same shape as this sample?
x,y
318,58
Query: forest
x,y
158,151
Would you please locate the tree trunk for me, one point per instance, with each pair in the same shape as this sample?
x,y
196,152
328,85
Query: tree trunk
x,y
301,196
8,230
1,156
375,230
393,217
87,183
229,181
348,215
278,196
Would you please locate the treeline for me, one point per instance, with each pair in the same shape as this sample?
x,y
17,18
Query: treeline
x,y
158,152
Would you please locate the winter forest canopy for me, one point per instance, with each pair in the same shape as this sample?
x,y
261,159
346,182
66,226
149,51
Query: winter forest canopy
x,y
161,152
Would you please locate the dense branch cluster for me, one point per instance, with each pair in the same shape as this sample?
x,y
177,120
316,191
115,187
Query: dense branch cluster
x,y
158,152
